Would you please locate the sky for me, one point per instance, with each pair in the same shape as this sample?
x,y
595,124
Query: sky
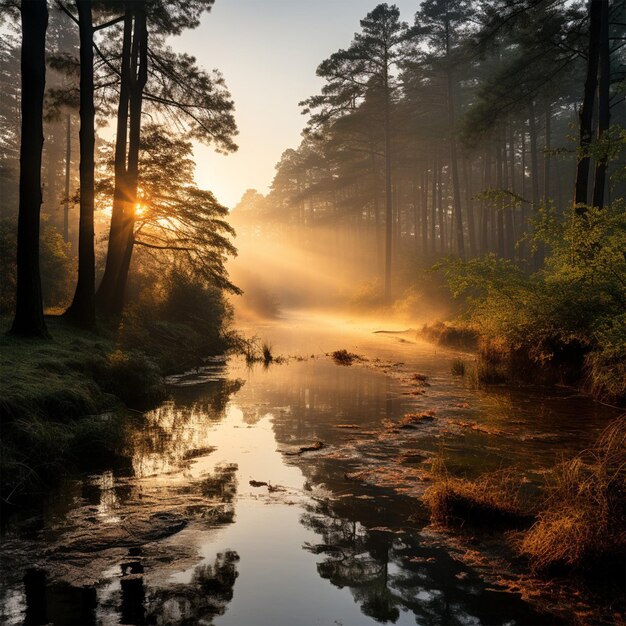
x,y
268,51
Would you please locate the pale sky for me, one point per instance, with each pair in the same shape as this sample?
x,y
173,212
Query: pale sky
x,y
268,51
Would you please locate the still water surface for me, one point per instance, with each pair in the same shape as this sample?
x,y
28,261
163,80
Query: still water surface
x,y
170,530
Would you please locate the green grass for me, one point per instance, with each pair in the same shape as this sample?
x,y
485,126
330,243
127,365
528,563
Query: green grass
x,y
75,373
51,392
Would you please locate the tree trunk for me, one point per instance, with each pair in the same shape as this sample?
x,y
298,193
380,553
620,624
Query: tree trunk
x,y
425,212
469,203
604,107
522,225
484,208
534,163
500,208
388,197
586,112
433,207
546,155
29,320
82,311
68,165
139,76
115,248
456,188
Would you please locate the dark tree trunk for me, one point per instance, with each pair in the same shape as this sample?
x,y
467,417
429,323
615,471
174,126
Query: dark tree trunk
x,y
68,165
82,311
499,208
546,155
138,82
604,107
379,255
433,207
586,113
534,160
29,320
484,207
522,226
469,203
115,248
440,217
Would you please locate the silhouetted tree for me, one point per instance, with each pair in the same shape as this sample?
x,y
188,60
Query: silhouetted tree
x,y
29,320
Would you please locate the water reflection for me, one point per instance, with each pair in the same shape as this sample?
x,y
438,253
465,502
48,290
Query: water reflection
x,y
394,571
201,499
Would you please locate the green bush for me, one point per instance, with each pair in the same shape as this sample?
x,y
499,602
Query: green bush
x,y
570,314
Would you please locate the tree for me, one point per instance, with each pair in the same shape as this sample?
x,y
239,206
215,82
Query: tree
x,y
441,23
83,308
587,110
365,70
29,320
180,92
173,218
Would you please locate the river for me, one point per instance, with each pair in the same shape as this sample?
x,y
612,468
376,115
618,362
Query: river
x,y
288,495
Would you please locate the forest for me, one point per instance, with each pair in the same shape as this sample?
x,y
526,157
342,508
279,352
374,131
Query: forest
x,y
397,374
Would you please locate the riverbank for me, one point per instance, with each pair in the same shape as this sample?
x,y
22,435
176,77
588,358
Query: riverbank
x,y
498,362
54,393
342,520
63,400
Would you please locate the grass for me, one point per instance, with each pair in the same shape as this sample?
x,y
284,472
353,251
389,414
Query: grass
x,y
579,524
457,367
256,351
266,353
343,357
51,391
583,518
491,500
36,451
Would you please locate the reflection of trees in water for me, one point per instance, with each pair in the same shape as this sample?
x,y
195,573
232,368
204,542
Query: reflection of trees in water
x,y
206,596
177,430
318,396
58,603
388,573
222,484
356,559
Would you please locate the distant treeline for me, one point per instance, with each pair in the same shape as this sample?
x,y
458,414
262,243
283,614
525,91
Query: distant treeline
x,y
448,136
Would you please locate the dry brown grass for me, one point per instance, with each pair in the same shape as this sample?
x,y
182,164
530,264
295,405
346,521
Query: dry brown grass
x,y
583,519
412,420
491,499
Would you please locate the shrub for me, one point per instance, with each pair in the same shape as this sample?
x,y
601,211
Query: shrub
x,y
568,316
